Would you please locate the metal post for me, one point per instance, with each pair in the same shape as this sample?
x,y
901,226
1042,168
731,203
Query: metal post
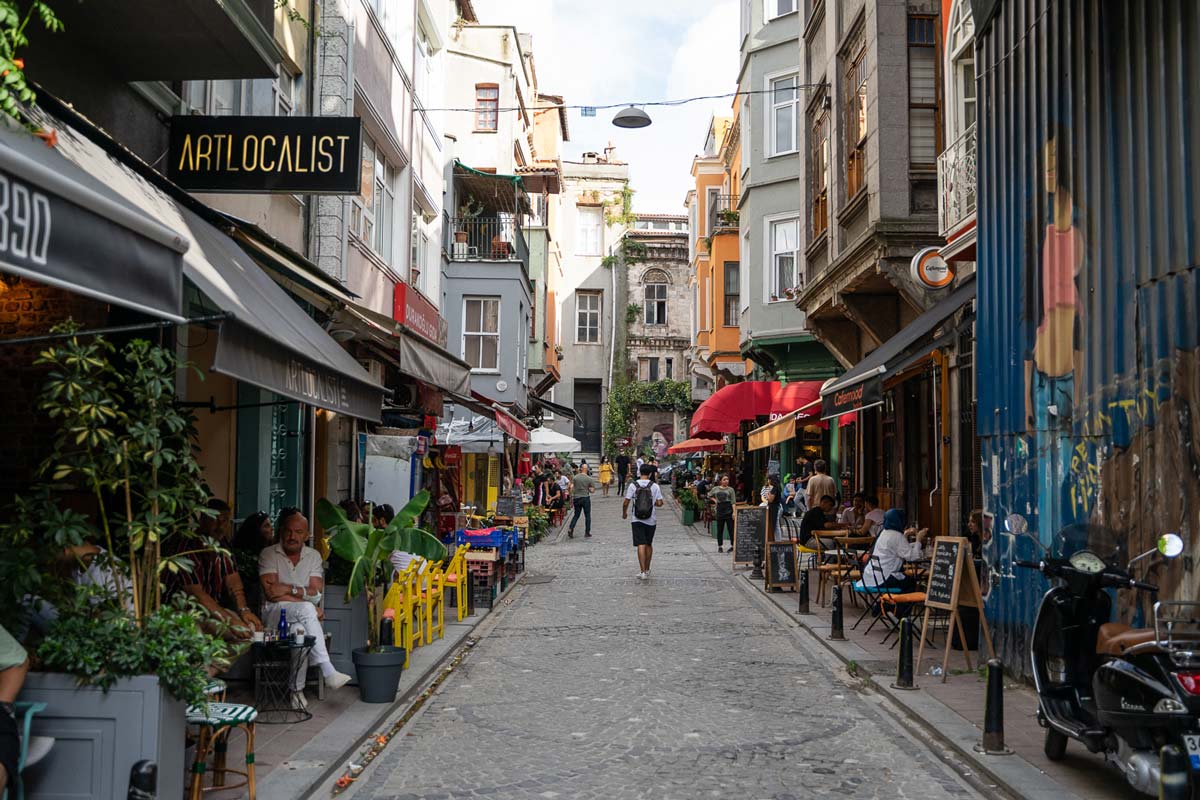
x,y
803,606
993,712
836,634
904,660
758,561
1174,769
143,781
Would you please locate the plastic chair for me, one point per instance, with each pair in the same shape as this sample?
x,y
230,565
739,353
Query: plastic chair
x,y
23,711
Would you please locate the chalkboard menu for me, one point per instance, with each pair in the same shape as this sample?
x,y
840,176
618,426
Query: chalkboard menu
x,y
749,527
942,589
781,564
507,506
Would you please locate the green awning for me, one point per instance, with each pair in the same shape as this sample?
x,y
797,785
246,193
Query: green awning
x,y
497,193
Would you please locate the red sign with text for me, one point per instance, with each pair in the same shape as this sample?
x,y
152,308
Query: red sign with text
x,y
418,314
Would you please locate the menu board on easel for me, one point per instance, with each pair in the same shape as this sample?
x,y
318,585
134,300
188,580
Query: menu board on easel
x,y
952,584
749,527
781,565
509,507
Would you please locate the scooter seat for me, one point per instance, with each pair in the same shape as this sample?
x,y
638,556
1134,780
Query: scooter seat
x,y
1115,638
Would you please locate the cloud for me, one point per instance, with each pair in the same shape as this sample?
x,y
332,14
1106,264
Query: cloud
x,y
634,50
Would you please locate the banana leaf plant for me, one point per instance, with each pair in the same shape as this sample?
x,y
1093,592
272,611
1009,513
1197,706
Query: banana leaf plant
x,y
368,549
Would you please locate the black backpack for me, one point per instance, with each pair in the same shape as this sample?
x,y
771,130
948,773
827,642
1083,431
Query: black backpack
x,y
643,501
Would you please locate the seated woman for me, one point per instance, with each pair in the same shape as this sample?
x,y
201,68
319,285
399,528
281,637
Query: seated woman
x,y
892,551
255,533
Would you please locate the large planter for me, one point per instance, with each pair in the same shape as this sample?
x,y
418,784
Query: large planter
x,y
689,516
99,736
346,624
378,673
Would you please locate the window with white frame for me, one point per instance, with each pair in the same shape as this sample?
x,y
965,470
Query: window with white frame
x,y
744,274
547,414
421,250
647,369
778,8
372,212
785,109
587,317
481,333
782,241
960,55
588,239
655,288
424,65
487,106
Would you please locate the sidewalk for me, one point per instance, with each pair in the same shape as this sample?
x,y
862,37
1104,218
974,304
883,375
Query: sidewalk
x,y
952,712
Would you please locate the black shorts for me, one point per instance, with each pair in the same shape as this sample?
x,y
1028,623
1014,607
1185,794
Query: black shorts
x,y
10,746
643,533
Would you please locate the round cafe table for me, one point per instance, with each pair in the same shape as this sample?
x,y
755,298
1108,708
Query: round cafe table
x,y
278,666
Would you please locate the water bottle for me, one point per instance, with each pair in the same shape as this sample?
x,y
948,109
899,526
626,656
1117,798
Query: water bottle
x,y
283,625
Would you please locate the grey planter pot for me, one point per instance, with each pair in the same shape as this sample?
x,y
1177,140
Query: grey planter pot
x,y
346,624
99,736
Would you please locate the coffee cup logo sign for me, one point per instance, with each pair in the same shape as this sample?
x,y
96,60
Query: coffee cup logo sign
x,y
931,270
308,155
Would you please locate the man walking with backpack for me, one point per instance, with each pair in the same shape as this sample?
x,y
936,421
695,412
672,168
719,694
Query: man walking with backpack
x,y
646,498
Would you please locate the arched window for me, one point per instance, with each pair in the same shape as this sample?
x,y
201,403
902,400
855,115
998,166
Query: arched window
x,y
655,283
960,69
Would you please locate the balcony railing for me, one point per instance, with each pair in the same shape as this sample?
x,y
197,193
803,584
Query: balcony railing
x,y
722,212
486,239
956,182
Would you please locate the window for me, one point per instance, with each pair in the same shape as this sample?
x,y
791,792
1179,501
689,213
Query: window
x,y
785,95
372,212
670,370
923,139
215,98
285,89
732,293
960,46
591,221
487,107
587,317
647,369
777,8
656,297
547,414
420,254
783,241
820,172
856,115
533,290
424,65
481,332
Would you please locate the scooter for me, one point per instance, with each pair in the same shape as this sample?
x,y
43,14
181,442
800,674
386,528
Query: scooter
x,y
1121,691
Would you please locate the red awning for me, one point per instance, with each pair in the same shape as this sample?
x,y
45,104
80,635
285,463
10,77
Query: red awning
x,y
511,425
731,405
794,396
697,446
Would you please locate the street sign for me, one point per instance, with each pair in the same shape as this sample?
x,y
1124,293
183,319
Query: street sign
x,y
587,111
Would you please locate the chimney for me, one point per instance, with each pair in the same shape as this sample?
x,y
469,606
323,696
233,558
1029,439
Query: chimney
x,y
591,158
609,152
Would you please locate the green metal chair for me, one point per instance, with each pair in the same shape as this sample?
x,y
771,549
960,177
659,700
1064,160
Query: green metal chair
x,y
24,711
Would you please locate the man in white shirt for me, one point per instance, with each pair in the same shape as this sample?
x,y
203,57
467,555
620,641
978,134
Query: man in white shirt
x,y
892,551
645,513
852,516
820,484
292,581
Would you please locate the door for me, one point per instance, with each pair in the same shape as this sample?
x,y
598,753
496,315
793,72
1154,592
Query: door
x,y
587,409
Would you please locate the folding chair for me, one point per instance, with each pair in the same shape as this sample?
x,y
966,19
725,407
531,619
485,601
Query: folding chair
x,y
872,594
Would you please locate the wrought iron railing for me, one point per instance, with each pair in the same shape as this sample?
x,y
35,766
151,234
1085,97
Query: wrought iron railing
x,y
486,239
722,212
956,182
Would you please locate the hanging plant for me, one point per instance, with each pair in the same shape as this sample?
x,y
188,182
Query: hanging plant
x,y
16,98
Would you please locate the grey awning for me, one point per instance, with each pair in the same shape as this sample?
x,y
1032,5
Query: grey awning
x,y
841,395
268,340
81,236
553,408
410,352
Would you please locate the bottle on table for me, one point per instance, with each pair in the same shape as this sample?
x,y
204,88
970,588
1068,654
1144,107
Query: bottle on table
x,y
283,625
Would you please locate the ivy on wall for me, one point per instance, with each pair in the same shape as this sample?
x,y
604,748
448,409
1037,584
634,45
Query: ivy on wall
x,y
625,398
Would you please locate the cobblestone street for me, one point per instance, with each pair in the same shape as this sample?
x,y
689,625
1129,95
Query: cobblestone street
x,y
597,684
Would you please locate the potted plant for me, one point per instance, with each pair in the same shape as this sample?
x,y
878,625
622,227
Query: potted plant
x,y
729,216
367,550
690,504
468,211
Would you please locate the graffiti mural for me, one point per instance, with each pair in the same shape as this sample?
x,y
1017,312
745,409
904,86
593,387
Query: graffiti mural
x,y
654,431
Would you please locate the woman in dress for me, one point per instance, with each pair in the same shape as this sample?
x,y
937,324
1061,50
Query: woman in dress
x,y
605,474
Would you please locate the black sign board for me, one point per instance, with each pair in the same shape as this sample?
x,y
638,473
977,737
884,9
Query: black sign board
x,y
952,583
749,527
781,565
943,573
858,396
264,155
511,507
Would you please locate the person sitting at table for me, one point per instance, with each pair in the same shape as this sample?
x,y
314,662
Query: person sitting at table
x,y
872,520
975,532
819,519
292,581
553,495
892,551
382,515
852,516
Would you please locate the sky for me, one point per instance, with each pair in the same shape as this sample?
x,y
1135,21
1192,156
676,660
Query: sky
x,y
596,53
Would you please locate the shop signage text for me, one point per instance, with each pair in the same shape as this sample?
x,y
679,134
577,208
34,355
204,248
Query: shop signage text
x,y
852,398
326,390
262,155
929,269
409,308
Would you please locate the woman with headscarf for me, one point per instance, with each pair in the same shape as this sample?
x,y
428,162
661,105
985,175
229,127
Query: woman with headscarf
x,y
892,551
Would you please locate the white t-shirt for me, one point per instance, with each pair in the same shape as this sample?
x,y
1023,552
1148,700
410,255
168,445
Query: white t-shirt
x,y
851,517
655,492
876,518
273,560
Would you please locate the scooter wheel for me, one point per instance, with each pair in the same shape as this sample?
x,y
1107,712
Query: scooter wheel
x,y
1056,744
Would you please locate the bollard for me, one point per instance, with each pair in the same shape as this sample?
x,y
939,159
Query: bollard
x,y
904,660
143,781
803,606
993,712
836,634
757,572
1174,769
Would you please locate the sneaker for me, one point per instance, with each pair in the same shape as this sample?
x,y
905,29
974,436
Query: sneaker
x,y
337,680
299,701
587,536
570,534
720,549
642,576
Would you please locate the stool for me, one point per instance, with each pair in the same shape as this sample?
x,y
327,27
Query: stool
x,y
215,721
24,712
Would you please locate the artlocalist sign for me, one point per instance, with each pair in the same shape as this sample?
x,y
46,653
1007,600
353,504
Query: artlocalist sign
x,y
852,398
263,155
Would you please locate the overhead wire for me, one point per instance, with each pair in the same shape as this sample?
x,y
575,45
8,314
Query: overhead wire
x,y
608,106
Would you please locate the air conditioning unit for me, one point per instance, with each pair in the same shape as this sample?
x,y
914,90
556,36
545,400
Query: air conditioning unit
x,y
406,396
374,368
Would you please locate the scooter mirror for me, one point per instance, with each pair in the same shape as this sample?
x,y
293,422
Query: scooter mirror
x,y
1170,544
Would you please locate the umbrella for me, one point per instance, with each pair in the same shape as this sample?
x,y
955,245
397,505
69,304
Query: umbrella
x,y
548,440
697,446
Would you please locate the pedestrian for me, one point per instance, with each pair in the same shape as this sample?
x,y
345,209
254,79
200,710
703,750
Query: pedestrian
x,y
646,498
722,497
582,487
622,471
605,474
820,484
774,498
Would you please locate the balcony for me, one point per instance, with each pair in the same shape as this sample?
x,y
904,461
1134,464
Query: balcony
x,y
956,184
722,213
486,239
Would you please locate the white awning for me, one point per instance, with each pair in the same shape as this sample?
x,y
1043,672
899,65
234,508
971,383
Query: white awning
x,y
548,440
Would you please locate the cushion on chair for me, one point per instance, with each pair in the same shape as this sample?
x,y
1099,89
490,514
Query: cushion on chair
x,y
859,586
215,687
219,715
907,597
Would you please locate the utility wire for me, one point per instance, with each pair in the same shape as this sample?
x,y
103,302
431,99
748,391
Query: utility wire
x,y
678,102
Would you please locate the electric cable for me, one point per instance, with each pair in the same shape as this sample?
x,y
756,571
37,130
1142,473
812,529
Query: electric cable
x,y
608,106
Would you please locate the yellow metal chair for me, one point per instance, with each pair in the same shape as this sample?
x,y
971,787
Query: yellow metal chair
x,y
456,577
432,597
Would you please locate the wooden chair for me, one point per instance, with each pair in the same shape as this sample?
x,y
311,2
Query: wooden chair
x,y
431,596
215,722
402,597
455,577
829,572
